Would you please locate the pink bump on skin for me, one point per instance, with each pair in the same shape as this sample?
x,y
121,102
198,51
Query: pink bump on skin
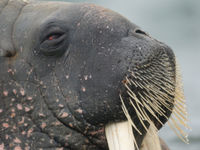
x,y
78,24
27,109
43,125
6,136
5,93
68,136
22,121
29,98
1,146
17,148
79,111
27,148
1,110
71,125
12,115
67,76
22,92
23,132
15,91
56,123
12,110
17,140
41,115
83,89
29,72
19,107
51,141
11,71
14,127
61,105
29,132
100,131
86,77
64,115
5,125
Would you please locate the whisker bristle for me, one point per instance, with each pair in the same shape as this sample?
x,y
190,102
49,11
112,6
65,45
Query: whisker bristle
x,y
155,93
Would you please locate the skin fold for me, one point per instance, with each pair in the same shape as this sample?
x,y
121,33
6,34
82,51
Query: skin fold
x,y
62,67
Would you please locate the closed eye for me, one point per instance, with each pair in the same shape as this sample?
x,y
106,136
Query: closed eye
x,y
54,41
53,37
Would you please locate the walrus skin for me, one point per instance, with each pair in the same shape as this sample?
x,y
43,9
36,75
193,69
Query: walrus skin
x,y
61,70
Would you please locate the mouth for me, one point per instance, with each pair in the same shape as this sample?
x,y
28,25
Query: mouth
x,y
153,95
151,90
149,94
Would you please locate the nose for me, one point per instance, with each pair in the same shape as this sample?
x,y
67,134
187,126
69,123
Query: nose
x,y
7,53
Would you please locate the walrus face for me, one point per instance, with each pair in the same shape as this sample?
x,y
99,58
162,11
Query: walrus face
x,y
66,69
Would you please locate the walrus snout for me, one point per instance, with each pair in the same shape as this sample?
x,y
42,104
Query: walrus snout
x,y
75,67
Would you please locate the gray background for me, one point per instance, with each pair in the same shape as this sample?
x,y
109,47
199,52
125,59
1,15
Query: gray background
x,y
176,23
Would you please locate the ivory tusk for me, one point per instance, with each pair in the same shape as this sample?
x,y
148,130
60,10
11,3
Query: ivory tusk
x,y
151,140
120,136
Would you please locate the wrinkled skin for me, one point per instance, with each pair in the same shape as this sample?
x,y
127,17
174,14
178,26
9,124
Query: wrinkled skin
x,y
61,71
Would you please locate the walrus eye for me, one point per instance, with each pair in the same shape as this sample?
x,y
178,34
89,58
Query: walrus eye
x,y
54,42
54,37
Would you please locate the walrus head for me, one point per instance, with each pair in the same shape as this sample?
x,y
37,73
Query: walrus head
x,y
67,70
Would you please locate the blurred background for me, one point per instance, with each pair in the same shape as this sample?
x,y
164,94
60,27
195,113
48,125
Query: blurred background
x,y
176,23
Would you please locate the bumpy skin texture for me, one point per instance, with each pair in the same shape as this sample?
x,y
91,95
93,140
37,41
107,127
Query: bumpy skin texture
x,y
61,71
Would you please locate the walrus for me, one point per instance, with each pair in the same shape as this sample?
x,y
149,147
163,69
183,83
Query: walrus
x,y
69,69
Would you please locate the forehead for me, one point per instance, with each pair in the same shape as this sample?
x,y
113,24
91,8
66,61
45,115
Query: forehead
x,y
34,15
40,12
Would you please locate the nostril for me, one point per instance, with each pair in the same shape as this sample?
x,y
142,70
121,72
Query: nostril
x,y
10,53
140,32
7,53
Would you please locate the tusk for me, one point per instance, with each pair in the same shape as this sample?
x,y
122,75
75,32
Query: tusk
x,y
120,136
151,140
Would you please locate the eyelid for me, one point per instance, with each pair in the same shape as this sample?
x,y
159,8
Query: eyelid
x,y
57,35
52,31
